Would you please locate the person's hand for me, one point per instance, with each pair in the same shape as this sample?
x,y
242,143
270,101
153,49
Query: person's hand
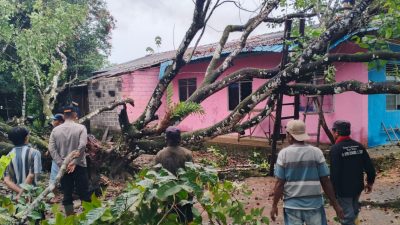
x,y
368,188
75,154
71,167
19,195
339,211
274,213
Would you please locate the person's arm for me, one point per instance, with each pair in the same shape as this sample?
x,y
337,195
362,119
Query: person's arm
x,y
280,174
335,168
82,144
29,179
328,189
53,150
37,165
370,170
278,193
11,185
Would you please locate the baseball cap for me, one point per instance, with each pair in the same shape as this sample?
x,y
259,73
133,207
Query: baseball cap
x,y
297,129
341,126
58,117
68,109
172,132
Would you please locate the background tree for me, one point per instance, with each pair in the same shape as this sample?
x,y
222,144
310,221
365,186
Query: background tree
x,y
49,44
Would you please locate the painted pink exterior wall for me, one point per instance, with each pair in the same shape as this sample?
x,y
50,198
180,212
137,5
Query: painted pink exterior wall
x,y
139,85
216,106
347,106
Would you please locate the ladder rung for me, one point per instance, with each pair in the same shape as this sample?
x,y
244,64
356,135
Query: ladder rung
x,y
310,113
287,117
292,103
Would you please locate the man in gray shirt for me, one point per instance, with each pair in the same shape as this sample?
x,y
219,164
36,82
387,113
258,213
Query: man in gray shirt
x,y
65,138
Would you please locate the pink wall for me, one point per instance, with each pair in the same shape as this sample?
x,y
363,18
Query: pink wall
x,y
216,106
139,85
347,106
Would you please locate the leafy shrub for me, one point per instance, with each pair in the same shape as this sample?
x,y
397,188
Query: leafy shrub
x,y
220,158
154,196
259,161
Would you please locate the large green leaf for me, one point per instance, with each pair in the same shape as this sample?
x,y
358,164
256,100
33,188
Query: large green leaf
x,y
167,190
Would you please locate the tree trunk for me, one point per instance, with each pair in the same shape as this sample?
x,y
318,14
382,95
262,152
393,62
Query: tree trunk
x,y
23,109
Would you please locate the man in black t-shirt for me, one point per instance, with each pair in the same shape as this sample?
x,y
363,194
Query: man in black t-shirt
x,y
349,161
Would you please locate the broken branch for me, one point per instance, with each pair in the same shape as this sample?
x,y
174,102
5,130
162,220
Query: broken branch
x,y
106,108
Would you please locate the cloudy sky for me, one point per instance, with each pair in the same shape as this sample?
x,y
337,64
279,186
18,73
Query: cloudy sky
x,y
138,22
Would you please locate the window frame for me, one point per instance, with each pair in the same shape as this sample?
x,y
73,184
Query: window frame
x,y
240,82
390,76
319,75
186,86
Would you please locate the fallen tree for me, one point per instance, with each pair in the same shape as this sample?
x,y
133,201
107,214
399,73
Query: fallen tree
x,y
309,53
291,78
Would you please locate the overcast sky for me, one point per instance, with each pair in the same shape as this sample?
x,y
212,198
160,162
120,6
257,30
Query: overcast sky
x,y
138,22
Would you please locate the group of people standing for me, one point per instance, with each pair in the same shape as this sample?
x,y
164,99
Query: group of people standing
x,y
301,169
67,137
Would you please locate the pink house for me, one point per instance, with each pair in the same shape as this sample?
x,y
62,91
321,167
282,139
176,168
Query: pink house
x,y
136,79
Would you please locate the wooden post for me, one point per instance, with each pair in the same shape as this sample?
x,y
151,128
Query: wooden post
x,y
278,110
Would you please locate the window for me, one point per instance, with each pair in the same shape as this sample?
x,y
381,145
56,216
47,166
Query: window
x,y
306,102
238,91
392,74
186,88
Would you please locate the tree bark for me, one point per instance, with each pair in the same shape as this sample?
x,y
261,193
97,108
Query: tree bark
x,y
106,108
23,110
155,101
345,86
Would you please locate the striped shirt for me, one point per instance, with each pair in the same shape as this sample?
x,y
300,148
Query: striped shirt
x,y
301,167
26,160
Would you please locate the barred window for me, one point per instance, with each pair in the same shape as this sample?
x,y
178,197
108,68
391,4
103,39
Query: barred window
x,y
186,88
392,74
239,91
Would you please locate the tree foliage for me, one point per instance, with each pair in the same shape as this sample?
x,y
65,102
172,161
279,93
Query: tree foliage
x,y
39,38
152,198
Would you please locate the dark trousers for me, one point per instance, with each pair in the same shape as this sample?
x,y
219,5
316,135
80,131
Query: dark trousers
x,y
185,213
79,181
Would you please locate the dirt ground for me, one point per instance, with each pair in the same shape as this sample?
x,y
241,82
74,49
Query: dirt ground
x,y
381,207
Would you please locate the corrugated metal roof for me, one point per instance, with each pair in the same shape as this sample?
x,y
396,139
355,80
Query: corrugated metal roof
x,y
266,43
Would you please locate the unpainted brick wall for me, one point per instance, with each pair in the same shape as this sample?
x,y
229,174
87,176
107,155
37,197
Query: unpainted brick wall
x,y
103,92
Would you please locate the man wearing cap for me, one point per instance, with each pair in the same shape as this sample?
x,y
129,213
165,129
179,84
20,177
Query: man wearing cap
x,y
65,138
57,120
300,172
172,158
349,161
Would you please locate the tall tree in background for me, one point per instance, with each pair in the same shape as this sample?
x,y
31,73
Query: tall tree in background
x,y
46,45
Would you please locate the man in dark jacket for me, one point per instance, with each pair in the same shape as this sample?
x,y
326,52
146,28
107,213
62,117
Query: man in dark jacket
x,y
349,161
172,158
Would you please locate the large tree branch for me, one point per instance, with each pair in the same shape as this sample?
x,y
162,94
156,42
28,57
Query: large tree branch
x,y
106,108
287,75
68,84
155,100
289,17
341,87
206,91
32,138
269,107
211,73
